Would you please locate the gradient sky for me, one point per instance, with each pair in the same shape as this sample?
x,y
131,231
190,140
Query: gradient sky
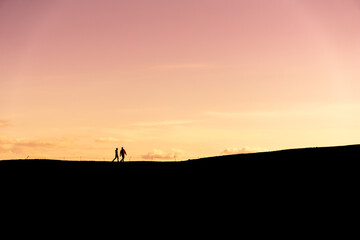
x,y
176,79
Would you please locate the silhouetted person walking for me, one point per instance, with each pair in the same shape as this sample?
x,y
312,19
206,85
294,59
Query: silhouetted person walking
x,y
116,155
122,154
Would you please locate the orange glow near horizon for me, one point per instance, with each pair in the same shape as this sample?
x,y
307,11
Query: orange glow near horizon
x,y
180,79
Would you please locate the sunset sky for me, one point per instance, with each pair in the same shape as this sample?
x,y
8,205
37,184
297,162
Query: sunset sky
x,y
176,79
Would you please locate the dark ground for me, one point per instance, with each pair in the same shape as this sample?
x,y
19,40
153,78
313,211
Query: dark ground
x,y
296,192
296,164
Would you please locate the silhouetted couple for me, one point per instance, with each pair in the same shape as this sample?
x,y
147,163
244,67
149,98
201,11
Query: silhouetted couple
x,y
122,154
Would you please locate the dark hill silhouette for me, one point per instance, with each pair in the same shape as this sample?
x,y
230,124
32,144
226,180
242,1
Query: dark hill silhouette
x,y
289,157
295,181
319,161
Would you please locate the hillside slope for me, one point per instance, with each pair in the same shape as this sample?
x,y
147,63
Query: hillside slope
x,y
300,175
320,160
287,157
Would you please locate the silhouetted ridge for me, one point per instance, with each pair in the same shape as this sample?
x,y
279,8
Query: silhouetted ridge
x,y
288,156
308,170
294,160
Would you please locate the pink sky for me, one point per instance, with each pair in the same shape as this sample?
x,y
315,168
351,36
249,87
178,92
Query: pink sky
x,y
176,79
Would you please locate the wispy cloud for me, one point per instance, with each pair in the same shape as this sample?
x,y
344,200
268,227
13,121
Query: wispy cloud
x,y
111,140
229,151
224,114
181,66
6,143
328,110
10,146
107,140
157,154
20,145
4,123
248,113
163,123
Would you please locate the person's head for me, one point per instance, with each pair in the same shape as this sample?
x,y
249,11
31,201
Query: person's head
x,y
116,148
